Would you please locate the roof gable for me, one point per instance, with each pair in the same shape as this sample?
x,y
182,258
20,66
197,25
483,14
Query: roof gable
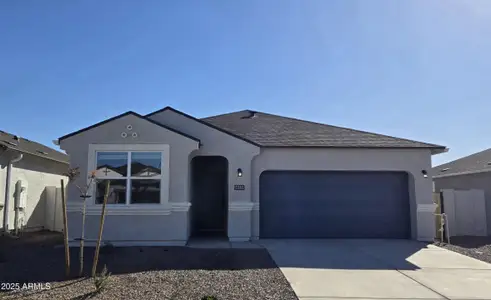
x,y
123,115
219,128
474,163
270,130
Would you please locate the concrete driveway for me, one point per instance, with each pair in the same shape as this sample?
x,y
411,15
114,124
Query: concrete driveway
x,y
378,269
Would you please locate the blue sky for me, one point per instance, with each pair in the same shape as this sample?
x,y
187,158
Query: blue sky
x,y
413,69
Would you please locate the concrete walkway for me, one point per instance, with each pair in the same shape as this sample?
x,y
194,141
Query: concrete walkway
x,y
378,269
220,243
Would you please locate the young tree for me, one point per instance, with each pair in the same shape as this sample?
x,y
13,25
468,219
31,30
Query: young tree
x,y
72,175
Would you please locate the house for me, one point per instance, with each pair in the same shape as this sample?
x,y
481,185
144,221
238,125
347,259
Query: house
x,y
470,172
248,175
27,169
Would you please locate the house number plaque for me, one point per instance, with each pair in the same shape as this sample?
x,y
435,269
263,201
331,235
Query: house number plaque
x,y
239,187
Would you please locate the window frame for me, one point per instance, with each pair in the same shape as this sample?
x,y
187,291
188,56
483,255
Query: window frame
x,y
132,148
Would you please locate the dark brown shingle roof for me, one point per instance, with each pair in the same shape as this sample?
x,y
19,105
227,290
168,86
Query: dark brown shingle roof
x,y
27,146
270,130
474,163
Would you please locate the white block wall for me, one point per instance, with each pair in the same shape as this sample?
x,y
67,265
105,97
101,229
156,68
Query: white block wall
x,y
466,212
39,174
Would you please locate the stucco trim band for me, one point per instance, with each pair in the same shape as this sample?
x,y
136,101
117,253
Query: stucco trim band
x,y
240,206
125,210
180,206
122,210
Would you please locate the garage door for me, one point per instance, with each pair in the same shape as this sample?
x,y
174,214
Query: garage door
x,y
311,204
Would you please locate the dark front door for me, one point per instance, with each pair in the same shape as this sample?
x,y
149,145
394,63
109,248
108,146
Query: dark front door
x,y
209,196
309,204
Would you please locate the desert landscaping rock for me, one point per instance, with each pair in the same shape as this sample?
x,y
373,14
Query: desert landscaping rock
x,y
147,273
478,247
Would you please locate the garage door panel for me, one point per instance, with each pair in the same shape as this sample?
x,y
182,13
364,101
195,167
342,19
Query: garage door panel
x,y
312,204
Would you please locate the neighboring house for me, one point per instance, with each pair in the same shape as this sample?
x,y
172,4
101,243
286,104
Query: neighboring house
x,y
248,175
27,168
470,172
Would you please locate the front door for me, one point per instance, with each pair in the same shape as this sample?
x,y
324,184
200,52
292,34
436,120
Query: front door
x,y
209,196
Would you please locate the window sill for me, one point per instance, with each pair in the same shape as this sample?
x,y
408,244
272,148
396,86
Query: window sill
x,y
132,209
122,209
129,210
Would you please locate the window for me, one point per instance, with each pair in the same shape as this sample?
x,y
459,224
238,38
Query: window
x,y
135,177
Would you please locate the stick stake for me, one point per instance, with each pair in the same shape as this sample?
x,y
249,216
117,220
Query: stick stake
x,y
103,213
65,230
82,237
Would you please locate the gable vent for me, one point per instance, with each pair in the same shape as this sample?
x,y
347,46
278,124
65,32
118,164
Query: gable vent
x,y
42,152
444,169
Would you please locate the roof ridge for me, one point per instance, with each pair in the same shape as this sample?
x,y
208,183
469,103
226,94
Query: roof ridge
x,y
460,159
356,130
230,113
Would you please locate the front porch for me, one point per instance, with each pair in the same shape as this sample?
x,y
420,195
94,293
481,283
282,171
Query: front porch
x,y
216,207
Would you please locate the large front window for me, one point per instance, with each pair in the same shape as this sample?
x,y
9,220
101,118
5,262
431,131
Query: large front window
x,y
135,176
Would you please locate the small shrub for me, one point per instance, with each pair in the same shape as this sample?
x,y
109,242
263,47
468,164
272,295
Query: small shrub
x,y
209,298
101,280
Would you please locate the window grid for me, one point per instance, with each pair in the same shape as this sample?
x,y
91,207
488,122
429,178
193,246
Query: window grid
x,y
128,177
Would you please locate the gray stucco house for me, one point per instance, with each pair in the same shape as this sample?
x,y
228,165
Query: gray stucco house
x,y
248,175
469,172
27,170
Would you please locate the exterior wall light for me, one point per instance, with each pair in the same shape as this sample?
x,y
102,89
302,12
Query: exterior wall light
x,y
425,174
239,172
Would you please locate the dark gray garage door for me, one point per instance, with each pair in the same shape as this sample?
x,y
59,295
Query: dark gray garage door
x,y
311,204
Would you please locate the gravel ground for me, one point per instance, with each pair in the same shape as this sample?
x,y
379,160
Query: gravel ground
x,y
478,247
143,272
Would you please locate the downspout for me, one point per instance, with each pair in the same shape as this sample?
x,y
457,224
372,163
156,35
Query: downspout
x,y
18,190
4,149
7,192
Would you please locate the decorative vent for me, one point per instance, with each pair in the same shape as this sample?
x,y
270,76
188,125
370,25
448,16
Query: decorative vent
x,y
444,170
42,152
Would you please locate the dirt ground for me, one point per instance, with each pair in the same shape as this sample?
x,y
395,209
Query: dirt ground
x,y
139,272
